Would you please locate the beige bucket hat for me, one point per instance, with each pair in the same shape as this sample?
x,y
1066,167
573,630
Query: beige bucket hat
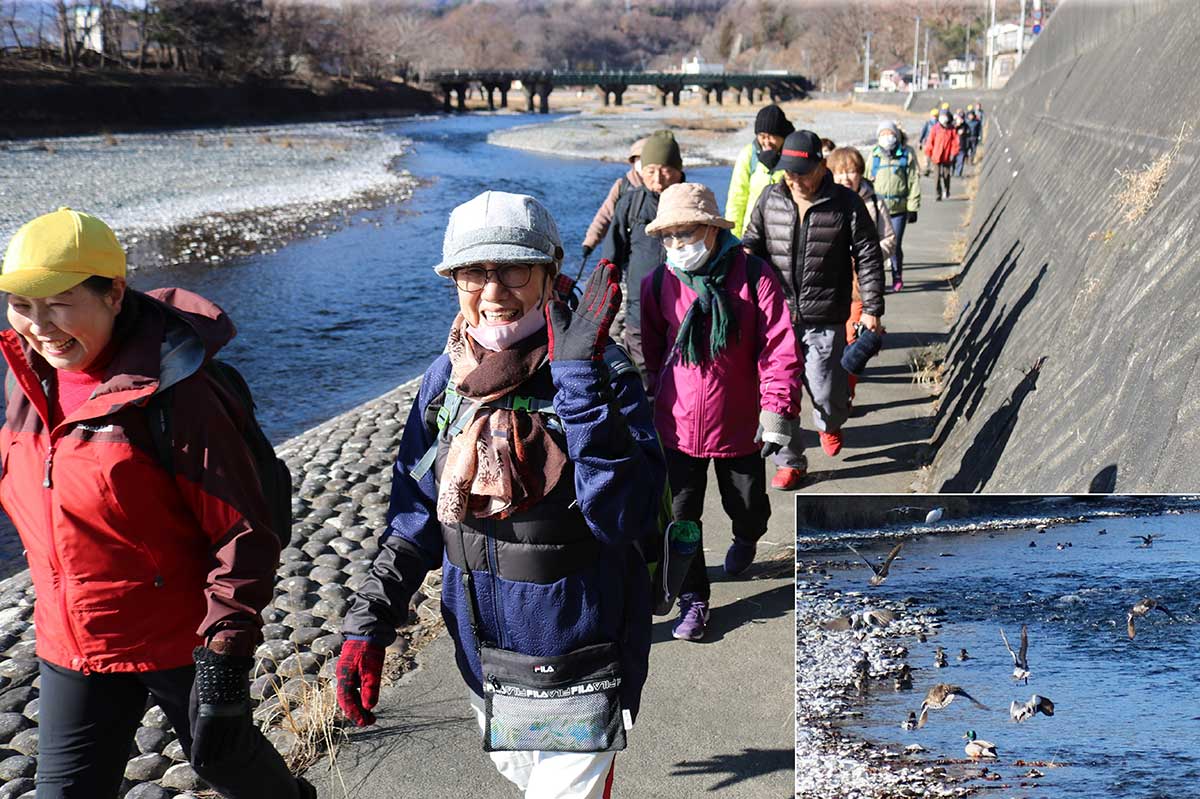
x,y
686,204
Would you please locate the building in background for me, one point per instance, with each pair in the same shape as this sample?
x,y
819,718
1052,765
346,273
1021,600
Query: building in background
x,y
960,73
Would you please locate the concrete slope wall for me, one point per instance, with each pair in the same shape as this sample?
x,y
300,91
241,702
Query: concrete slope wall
x,y
1073,363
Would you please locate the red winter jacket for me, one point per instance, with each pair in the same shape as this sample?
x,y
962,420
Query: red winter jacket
x,y
134,568
942,144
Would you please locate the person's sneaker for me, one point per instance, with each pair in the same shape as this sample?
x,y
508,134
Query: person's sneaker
x,y
693,618
831,442
787,478
739,557
899,284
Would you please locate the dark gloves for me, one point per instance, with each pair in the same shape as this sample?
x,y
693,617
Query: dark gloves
x,y
580,335
219,709
774,432
587,251
359,670
912,217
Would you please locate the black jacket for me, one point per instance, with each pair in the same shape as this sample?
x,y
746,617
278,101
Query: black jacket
x,y
814,256
627,245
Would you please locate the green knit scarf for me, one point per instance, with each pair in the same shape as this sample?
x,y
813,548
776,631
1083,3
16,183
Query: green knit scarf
x,y
712,301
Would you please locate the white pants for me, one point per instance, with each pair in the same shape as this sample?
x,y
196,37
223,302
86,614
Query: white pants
x,y
555,775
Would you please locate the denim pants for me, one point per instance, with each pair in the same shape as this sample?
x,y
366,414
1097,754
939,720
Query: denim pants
x,y
898,223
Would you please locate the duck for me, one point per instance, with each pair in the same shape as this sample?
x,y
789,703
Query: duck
x,y
978,748
962,654
1147,540
1036,704
863,620
880,571
909,723
940,696
903,680
1140,609
939,658
1021,658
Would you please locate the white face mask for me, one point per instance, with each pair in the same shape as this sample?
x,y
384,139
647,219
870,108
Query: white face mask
x,y
688,257
637,165
501,337
887,142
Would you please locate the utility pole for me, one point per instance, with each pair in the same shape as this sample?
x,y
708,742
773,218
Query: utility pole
x,y
925,82
916,45
867,66
1021,35
991,43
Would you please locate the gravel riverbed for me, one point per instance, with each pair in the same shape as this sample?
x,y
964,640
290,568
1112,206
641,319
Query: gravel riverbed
x,y
342,475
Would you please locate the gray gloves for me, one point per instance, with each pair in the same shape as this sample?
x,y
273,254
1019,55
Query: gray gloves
x,y
775,432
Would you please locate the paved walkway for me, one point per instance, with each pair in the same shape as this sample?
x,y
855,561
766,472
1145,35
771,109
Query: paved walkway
x,y
717,716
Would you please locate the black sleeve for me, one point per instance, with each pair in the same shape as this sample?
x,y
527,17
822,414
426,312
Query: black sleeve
x,y
867,256
615,246
753,234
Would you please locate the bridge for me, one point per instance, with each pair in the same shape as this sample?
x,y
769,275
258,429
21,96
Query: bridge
x,y
754,86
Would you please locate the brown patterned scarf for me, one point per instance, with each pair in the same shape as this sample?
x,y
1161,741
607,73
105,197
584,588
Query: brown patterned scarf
x,y
503,461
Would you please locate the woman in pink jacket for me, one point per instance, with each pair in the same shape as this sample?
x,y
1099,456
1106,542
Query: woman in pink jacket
x,y
723,364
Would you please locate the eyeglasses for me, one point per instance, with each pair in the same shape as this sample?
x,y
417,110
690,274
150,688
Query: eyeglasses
x,y
845,177
474,278
680,237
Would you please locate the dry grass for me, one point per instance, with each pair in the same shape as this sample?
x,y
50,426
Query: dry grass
x,y
264,139
228,142
716,125
1141,186
201,141
928,366
49,149
109,139
953,304
958,248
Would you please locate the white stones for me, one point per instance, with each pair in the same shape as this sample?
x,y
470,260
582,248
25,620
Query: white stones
x,y
182,777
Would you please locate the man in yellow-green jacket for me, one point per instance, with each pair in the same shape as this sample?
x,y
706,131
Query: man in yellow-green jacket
x,y
754,169
892,168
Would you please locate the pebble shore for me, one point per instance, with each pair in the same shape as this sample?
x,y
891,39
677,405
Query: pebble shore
x,y
342,475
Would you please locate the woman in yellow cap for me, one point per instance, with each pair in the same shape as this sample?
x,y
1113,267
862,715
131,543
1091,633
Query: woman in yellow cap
x,y
150,578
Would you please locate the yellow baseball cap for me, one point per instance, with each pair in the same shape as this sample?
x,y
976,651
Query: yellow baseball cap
x,y
58,251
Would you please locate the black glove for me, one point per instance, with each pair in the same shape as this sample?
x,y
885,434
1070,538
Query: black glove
x,y
587,251
219,709
912,217
580,335
774,432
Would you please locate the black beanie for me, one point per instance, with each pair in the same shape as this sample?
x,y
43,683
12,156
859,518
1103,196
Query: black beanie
x,y
661,148
771,119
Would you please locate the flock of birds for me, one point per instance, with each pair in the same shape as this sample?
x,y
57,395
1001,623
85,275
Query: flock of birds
x,y
941,695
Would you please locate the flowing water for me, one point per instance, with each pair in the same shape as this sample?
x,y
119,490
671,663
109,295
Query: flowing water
x,y
325,324
1127,715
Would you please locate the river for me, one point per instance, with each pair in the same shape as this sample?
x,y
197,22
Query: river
x,y
327,323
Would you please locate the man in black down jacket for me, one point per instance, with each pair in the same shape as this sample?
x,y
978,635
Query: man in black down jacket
x,y
626,244
815,234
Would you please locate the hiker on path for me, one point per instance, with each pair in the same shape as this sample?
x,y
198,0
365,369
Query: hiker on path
x,y
528,470
150,581
964,142
976,128
603,219
847,166
626,245
754,168
815,234
719,343
892,170
926,129
942,147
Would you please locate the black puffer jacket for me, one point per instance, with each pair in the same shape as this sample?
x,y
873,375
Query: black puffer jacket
x,y
628,246
814,257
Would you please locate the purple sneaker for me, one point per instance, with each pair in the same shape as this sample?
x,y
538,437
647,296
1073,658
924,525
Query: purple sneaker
x,y
693,616
899,284
739,557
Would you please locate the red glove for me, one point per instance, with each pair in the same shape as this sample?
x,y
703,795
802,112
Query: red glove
x,y
358,672
581,335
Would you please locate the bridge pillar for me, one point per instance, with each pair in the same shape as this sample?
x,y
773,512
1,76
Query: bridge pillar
x,y
619,94
446,90
529,91
462,96
490,88
504,87
720,92
755,95
543,93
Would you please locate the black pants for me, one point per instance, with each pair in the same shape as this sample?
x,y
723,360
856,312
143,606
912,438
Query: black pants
x,y
86,724
743,486
943,177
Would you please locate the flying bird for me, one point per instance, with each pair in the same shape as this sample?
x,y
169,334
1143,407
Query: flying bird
x,y
1036,704
880,572
940,696
977,748
1021,658
863,620
1147,540
1143,607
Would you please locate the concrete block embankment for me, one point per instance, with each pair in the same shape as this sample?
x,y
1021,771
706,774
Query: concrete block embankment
x,y
1073,362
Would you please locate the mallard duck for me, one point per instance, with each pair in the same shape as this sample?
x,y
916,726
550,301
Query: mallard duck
x,y
880,572
1036,704
1143,607
940,696
939,658
962,654
977,748
903,681
1020,659
909,723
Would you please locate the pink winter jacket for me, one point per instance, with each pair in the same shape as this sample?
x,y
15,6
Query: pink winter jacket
x,y
711,410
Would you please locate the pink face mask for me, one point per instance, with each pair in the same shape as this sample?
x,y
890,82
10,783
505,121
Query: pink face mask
x,y
501,337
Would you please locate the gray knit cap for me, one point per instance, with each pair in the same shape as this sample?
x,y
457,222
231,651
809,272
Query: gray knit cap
x,y
498,227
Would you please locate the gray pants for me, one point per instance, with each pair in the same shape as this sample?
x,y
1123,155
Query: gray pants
x,y
827,382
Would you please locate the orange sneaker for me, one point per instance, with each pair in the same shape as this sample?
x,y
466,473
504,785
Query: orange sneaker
x,y
831,442
788,479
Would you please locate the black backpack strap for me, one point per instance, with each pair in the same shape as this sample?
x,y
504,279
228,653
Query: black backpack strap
x,y
660,274
159,422
753,274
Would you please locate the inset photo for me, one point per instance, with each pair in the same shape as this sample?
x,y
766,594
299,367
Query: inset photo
x,y
1037,645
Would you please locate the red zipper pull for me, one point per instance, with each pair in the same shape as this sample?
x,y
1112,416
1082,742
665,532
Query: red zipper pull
x,y
49,461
